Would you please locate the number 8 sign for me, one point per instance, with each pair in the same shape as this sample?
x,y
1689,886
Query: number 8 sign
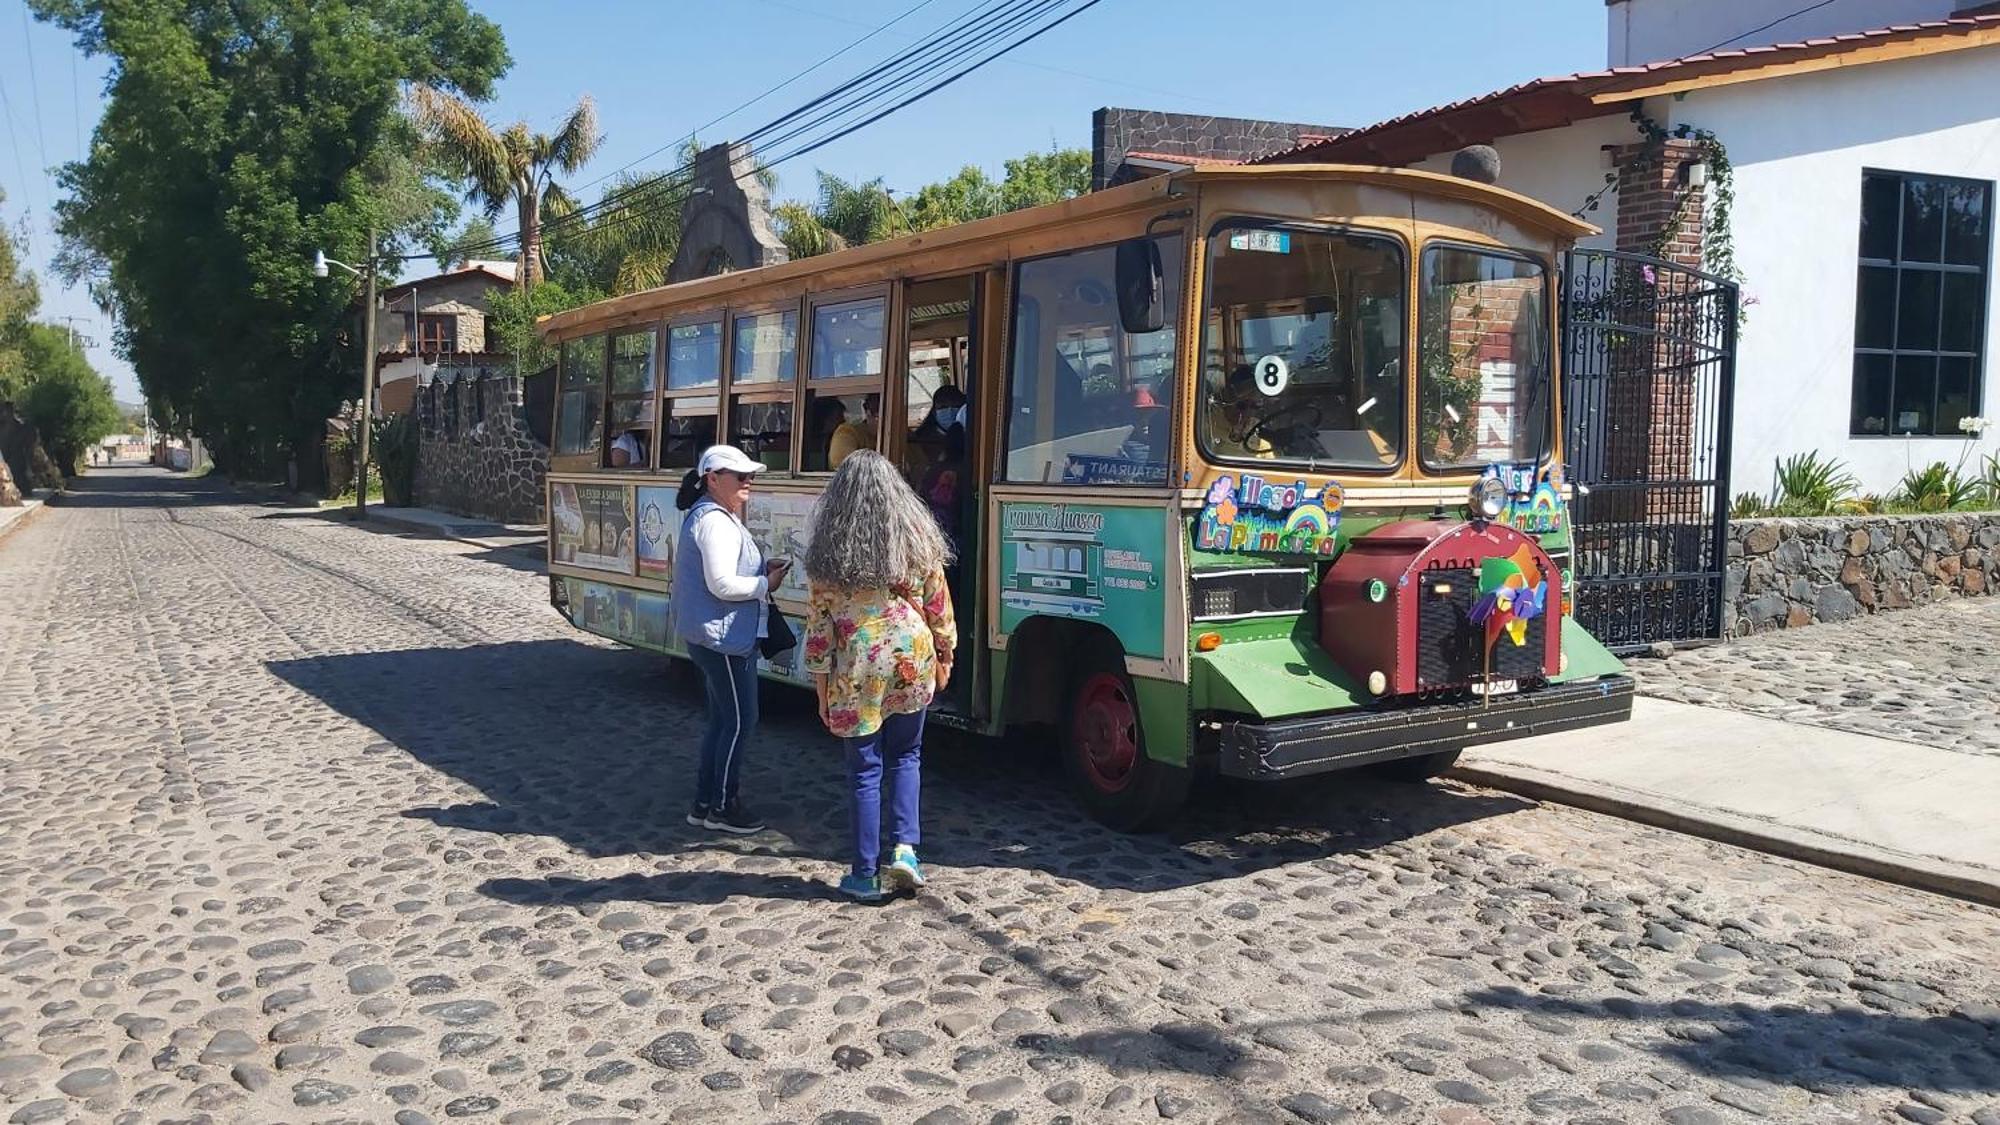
x,y
1272,375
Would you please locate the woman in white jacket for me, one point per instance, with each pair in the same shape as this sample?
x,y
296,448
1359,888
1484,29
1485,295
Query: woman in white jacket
x,y
720,595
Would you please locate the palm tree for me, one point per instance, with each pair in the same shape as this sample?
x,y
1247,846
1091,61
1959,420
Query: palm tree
x,y
844,215
512,165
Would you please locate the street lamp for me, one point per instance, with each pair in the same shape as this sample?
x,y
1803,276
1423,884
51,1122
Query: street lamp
x,y
319,265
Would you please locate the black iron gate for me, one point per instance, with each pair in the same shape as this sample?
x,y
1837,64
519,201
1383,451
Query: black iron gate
x,y
1650,364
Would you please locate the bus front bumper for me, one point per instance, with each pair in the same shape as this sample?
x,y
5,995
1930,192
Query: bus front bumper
x,y
1282,748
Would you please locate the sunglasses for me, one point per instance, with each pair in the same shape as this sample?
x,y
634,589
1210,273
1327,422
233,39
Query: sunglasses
x,y
734,473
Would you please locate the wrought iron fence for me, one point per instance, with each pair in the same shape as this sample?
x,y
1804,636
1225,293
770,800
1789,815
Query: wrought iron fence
x,y
1650,365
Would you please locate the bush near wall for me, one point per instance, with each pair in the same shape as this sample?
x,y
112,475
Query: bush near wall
x,y
1785,573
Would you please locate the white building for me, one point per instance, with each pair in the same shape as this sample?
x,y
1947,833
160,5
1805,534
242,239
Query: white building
x,y
1864,138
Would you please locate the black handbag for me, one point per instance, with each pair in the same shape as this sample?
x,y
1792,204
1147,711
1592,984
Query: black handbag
x,y
778,636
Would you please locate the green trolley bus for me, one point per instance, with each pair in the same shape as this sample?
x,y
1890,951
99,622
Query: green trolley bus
x,y
1260,472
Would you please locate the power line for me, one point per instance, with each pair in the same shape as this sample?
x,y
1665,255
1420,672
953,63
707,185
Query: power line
x,y
13,142
34,87
869,88
1781,19
724,116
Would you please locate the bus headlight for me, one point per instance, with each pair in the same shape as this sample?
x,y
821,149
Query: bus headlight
x,y
1487,499
1267,591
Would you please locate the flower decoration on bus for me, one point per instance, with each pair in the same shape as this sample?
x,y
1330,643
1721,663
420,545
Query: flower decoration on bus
x,y
1512,592
1249,513
1535,506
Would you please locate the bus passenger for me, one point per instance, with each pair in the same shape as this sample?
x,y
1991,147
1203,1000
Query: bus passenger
x,y
851,436
879,643
721,592
629,451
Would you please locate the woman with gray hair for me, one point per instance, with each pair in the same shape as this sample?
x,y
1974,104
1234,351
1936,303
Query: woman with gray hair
x,y
879,643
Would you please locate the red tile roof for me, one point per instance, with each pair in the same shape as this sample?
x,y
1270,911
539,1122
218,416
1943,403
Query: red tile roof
x,y
1546,103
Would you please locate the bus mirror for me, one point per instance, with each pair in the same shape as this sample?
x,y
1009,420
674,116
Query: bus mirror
x,y
1140,304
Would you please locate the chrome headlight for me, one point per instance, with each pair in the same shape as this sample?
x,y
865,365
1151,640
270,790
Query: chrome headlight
x,y
1488,498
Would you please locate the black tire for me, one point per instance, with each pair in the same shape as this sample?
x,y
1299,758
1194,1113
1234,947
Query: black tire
x,y
1104,749
1423,767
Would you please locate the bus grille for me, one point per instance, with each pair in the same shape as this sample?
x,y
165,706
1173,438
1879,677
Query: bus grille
x,y
1451,649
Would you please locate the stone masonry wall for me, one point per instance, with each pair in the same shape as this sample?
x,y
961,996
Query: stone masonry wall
x,y
1784,573
475,454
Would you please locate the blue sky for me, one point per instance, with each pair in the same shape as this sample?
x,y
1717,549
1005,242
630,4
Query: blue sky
x,y
658,70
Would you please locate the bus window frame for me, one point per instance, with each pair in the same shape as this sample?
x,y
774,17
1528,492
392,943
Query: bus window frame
x,y
1003,378
1551,342
612,396
588,460
842,385
719,316
1197,413
785,389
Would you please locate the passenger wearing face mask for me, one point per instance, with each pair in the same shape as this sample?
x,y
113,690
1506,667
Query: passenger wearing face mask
x,y
942,480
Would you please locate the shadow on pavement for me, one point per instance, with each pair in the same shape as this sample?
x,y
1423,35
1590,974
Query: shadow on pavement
x,y
596,747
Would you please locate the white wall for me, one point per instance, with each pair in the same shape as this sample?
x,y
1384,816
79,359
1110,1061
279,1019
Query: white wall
x,y
1561,167
1799,146
1643,31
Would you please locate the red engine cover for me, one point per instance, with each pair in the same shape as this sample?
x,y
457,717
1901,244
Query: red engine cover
x,y
1366,635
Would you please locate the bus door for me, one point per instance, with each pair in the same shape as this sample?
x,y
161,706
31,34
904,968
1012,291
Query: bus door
x,y
937,456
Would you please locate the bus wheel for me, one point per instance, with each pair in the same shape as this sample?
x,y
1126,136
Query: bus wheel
x,y
1423,767
1104,752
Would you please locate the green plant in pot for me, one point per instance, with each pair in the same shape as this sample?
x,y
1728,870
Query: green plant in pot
x,y
395,455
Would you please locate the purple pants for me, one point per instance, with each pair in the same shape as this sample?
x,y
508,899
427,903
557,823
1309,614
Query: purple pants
x,y
895,749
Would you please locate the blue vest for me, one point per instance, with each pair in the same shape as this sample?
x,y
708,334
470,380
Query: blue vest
x,y
701,618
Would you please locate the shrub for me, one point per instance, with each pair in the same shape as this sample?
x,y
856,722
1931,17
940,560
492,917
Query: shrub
x,y
1747,506
1809,485
1989,480
1937,488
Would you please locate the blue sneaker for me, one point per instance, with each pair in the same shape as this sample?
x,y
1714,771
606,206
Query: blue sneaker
x,y
862,888
904,872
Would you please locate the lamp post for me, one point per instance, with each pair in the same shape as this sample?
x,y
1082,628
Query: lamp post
x,y
320,263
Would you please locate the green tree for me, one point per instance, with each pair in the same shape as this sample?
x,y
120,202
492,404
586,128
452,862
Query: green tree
x,y
18,300
847,214
624,248
514,165
473,240
1045,177
844,214
239,137
69,404
510,318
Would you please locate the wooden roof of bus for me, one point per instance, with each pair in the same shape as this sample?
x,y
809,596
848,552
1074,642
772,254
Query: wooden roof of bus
x,y
862,264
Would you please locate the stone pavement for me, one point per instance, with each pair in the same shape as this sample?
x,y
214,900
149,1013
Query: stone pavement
x,y
9,517
1929,675
471,529
306,821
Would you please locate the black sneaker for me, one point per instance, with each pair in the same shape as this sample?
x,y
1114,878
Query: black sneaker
x,y
734,819
698,814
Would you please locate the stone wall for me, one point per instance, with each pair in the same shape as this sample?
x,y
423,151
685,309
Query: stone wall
x,y
1116,132
1784,573
476,455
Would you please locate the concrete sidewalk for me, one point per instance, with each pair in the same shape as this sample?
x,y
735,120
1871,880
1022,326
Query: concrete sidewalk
x,y
469,529
1887,809
14,518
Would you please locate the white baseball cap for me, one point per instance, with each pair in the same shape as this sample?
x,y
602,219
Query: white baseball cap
x,y
726,457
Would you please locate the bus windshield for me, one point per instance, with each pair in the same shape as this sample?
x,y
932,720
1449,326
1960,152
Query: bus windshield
x,y
1304,349
1483,348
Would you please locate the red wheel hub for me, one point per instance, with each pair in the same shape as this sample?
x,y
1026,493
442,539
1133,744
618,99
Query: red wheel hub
x,y
1105,730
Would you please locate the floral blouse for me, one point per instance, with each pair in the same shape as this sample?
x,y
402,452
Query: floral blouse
x,y
879,650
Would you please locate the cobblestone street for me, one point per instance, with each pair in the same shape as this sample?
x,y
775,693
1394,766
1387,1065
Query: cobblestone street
x,y
1897,675
302,821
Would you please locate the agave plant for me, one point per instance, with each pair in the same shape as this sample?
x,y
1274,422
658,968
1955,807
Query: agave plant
x,y
1747,506
1937,488
1811,485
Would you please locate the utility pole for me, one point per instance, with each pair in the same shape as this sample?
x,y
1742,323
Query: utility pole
x,y
367,384
71,321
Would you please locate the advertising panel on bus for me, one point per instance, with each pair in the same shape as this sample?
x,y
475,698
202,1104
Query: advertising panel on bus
x,y
591,526
659,522
1096,563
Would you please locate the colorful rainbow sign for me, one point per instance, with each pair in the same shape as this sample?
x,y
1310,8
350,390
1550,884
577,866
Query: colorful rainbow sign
x,y
1252,514
1544,511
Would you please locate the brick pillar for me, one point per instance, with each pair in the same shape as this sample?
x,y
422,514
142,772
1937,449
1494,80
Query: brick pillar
x,y
1657,393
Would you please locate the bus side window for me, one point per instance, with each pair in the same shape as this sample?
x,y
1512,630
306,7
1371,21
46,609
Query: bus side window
x,y
1088,403
580,399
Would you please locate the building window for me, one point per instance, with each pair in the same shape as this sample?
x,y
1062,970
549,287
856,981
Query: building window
x,y
437,335
1920,303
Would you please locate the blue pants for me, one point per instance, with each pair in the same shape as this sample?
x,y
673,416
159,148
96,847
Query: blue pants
x,y
732,714
897,749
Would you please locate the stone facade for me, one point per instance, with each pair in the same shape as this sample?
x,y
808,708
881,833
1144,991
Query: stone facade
x,y
726,220
464,295
1784,573
476,454
1117,132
